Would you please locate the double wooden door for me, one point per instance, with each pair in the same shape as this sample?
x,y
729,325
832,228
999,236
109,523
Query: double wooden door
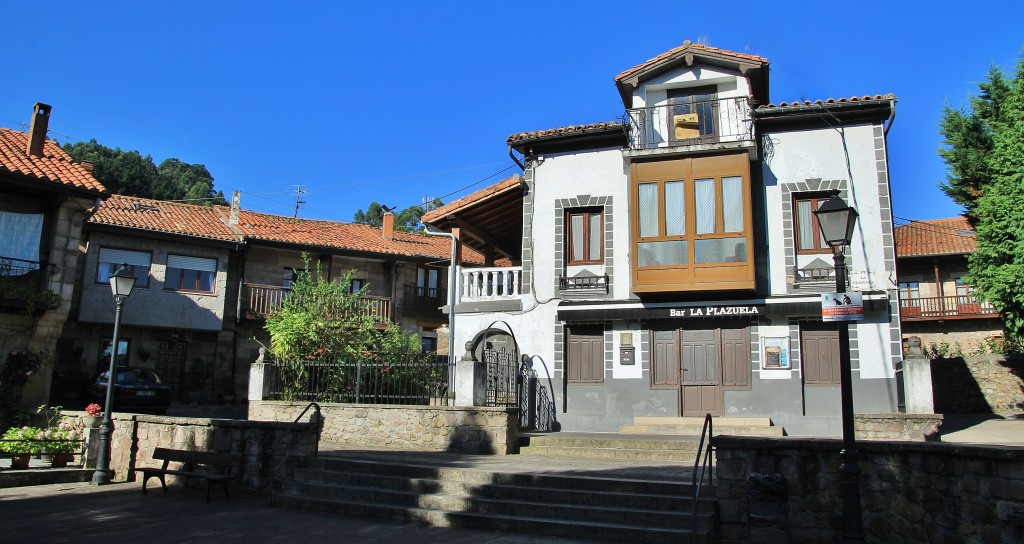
x,y
705,361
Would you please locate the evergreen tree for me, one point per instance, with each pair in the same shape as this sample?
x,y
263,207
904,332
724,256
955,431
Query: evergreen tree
x,y
407,220
993,198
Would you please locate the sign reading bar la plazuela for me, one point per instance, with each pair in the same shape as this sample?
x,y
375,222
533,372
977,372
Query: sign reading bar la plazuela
x,y
716,311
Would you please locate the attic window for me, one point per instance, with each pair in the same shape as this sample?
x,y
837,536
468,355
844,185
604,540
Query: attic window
x,y
144,208
965,232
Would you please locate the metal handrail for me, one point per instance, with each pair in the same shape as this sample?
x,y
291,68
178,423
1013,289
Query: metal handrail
x,y
314,421
698,483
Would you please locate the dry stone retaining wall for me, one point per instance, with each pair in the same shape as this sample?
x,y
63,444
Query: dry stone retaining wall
x,y
910,491
263,444
978,384
477,430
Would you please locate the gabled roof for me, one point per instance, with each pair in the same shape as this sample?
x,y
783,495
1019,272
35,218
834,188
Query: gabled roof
x,y
211,223
688,54
491,219
54,168
511,184
934,237
145,214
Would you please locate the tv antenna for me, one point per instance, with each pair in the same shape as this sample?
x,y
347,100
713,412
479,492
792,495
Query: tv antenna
x,y
298,199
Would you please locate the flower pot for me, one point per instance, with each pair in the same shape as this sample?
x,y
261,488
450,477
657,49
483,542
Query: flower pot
x,y
20,461
59,460
92,422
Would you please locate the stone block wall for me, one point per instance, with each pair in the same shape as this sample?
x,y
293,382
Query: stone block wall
x,y
263,444
978,384
477,430
915,427
910,491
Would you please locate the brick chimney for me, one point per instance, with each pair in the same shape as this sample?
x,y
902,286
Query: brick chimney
x,y
37,130
388,226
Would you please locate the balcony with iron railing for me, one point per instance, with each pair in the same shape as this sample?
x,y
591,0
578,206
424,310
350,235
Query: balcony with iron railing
x,y
949,307
25,286
698,125
261,300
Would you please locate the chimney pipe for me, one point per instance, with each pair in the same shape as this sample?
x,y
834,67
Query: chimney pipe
x,y
37,130
389,226
236,204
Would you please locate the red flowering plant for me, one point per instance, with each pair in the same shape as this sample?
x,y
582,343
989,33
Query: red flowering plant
x,y
94,410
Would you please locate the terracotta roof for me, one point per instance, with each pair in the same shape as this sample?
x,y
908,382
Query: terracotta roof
x,y
210,222
689,47
565,131
807,103
952,236
167,217
55,166
511,183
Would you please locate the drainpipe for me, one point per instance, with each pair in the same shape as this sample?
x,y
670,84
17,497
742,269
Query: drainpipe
x,y
511,154
892,116
452,271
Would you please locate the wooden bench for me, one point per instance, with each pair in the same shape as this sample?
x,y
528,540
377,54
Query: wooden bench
x,y
215,468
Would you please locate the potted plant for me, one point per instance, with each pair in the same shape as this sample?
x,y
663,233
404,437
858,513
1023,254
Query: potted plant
x,y
61,441
21,443
93,414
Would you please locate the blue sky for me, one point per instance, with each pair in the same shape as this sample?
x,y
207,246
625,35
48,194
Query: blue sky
x,y
396,101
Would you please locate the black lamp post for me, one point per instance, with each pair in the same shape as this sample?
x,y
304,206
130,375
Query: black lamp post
x,y
836,220
121,284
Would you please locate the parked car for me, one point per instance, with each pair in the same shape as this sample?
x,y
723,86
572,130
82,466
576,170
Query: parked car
x,y
135,390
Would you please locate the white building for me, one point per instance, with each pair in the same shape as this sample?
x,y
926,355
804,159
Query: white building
x,y
671,266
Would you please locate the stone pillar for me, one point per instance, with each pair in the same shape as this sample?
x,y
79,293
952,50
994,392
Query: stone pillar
x,y
470,381
442,340
917,379
257,387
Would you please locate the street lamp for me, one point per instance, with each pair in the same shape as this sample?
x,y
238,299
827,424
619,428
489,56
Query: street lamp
x,y
836,220
121,284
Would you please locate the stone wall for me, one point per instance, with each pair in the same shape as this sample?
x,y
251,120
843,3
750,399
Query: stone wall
x,y
263,444
978,384
477,430
910,491
914,427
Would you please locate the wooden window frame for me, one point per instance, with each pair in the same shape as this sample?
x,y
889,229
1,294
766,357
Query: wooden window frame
x,y
587,213
593,331
181,288
730,274
815,199
909,290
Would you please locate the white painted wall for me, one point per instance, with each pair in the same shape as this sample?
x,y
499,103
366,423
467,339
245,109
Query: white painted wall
x,y
821,154
653,91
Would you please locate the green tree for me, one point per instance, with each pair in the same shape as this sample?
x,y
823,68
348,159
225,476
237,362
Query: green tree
x,y
996,268
407,220
324,320
968,139
132,174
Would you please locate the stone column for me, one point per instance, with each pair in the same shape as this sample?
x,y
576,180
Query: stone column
x,y
917,380
470,380
257,387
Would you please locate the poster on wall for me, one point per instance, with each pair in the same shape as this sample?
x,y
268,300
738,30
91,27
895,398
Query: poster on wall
x,y
776,353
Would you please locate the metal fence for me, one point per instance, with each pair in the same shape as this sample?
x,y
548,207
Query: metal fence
x,y
401,379
503,378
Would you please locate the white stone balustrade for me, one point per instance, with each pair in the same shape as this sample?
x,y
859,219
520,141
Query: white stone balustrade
x,y
495,283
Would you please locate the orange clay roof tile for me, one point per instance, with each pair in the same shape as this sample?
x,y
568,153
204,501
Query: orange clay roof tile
x,y
806,103
506,184
694,47
54,166
953,236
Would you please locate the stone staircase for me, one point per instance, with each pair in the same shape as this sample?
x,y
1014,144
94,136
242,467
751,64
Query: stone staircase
x,y
583,504
733,426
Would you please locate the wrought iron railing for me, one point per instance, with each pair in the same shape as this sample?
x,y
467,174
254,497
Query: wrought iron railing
x,y
949,306
702,465
400,379
22,280
698,122
483,284
417,296
583,283
263,299
504,377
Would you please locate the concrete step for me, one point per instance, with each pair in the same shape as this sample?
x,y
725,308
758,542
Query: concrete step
x,y
502,523
648,447
679,500
602,507
687,426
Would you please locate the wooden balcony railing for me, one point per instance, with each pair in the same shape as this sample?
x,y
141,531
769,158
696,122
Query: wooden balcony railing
x,y
943,307
260,300
424,298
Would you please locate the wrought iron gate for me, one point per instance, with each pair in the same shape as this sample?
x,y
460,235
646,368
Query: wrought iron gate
x,y
502,377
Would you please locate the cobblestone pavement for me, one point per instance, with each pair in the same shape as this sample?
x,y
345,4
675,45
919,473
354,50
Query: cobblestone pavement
x,y
81,512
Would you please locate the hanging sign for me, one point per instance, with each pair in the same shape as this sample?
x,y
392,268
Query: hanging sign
x,y
847,306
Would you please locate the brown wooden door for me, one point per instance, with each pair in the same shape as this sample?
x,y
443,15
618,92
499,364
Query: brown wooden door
x,y
819,355
701,387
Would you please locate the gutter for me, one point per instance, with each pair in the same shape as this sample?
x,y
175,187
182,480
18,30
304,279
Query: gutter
x,y
511,154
